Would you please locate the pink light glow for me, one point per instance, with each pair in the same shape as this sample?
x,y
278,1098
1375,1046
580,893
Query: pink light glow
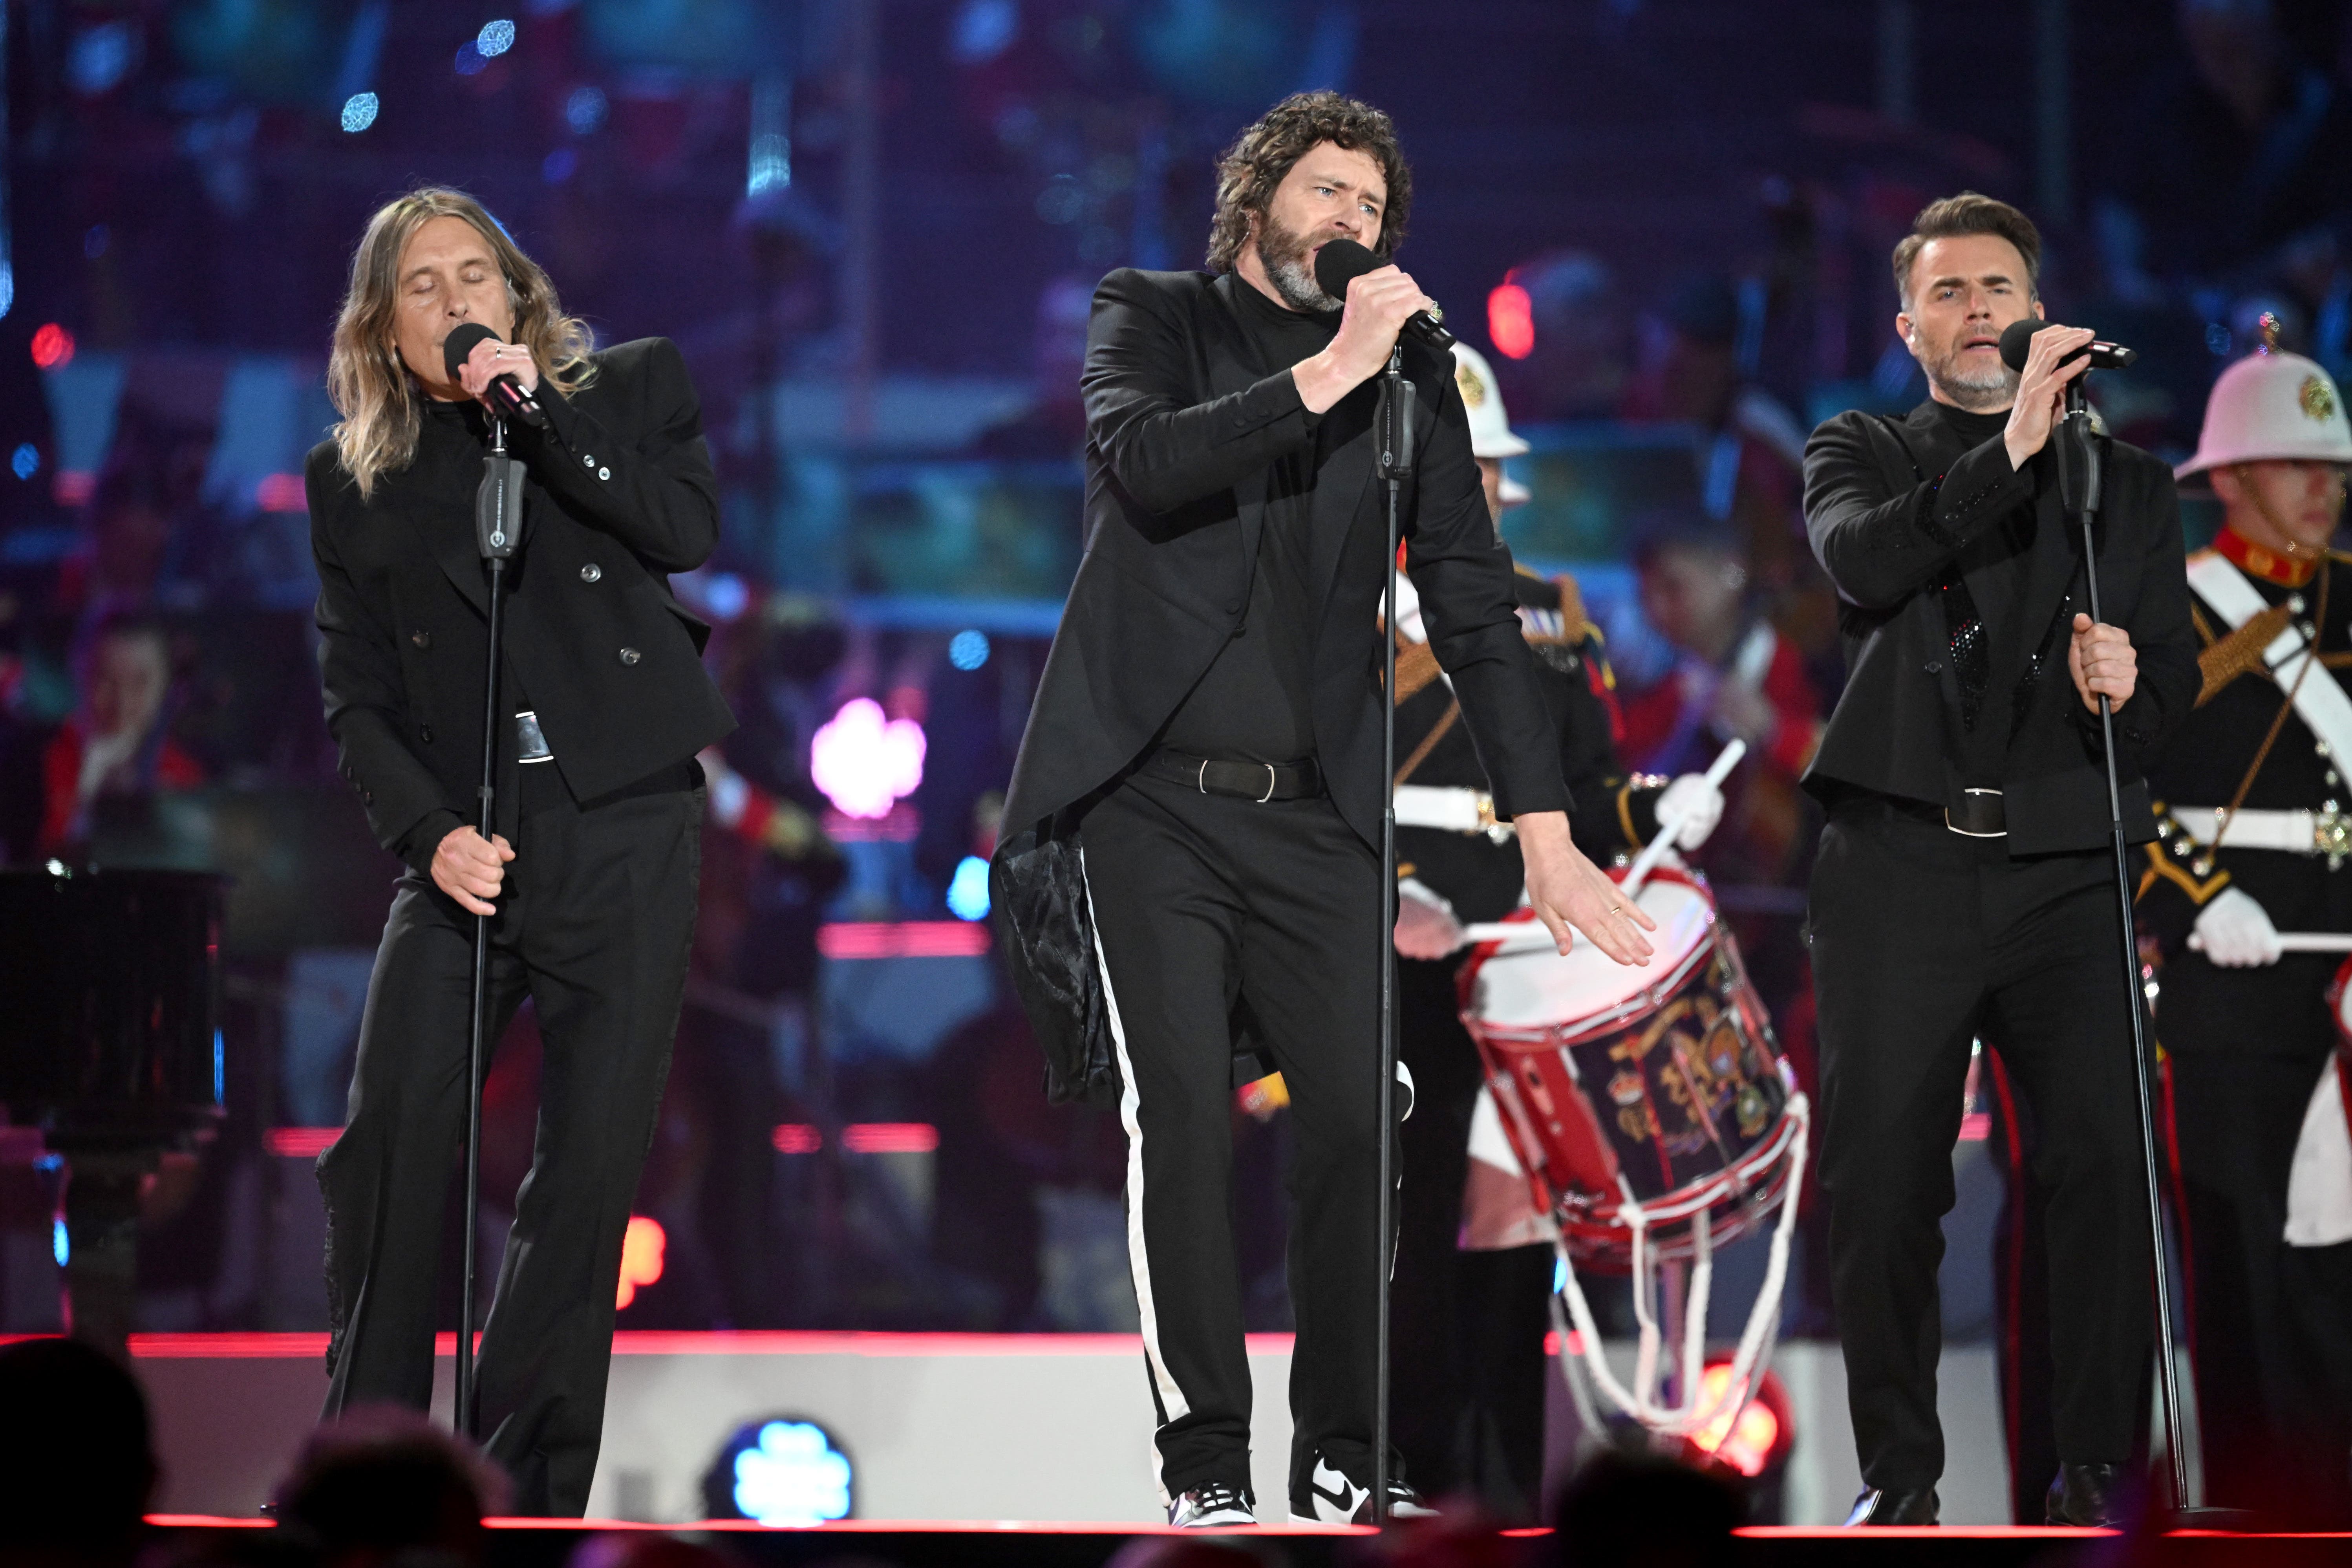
x,y
902,939
863,763
1510,320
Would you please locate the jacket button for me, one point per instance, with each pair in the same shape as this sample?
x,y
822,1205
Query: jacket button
x,y
604,473
425,734
422,640
630,656
368,797
1934,668
587,459
590,572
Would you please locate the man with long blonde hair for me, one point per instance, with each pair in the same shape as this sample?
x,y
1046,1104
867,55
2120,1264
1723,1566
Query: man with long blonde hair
x,y
588,880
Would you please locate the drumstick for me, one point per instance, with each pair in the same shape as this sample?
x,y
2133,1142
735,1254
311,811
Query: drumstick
x,y
1533,933
2297,942
1726,759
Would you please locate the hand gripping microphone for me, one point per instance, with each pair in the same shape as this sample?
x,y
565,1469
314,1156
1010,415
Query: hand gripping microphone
x,y
1342,261
2018,342
506,393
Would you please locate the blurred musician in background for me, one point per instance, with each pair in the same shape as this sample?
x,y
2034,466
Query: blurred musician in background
x,y
1468,1314
2253,838
1963,886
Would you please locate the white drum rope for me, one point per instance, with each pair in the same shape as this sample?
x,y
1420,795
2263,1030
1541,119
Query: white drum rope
x,y
1749,1360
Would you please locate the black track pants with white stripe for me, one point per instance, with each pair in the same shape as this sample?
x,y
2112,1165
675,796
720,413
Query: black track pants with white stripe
x,y
1212,913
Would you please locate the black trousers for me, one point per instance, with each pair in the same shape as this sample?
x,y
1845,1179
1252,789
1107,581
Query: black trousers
x,y
1214,914
595,927
2272,1322
1922,940
1465,1329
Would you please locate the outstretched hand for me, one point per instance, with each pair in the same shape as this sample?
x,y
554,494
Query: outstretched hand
x,y
1569,893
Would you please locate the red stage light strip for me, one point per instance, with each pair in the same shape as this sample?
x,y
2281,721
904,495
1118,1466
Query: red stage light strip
x,y
889,1137
300,1142
655,1342
902,939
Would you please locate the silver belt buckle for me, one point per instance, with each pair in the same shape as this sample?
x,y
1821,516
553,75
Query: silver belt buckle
x,y
1270,780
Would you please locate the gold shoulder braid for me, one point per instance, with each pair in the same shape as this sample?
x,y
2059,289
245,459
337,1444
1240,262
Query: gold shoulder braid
x,y
2241,652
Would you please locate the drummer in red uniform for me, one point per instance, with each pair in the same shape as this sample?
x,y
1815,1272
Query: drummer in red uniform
x,y
1468,1316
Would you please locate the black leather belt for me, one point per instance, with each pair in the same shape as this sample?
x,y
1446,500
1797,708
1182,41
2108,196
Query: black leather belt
x,y
1979,815
1260,782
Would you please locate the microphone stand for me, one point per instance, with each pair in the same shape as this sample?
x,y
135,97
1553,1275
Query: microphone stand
x,y
1394,432
498,528
2081,480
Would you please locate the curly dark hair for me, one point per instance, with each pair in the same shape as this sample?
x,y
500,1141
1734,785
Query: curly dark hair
x,y
1263,154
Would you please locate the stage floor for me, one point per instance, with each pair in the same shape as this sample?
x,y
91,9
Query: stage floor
x,y
1015,1543
939,1426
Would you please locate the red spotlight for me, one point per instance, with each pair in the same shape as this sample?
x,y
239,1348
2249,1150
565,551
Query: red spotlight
x,y
1510,320
53,346
1750,1441
641,1257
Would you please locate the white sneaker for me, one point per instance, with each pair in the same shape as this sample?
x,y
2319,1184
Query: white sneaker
x,y
1331,1498
1213,1505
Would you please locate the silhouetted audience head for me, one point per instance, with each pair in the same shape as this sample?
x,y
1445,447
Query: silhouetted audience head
x,y
76,1466
646,1548
385,1484
1642,1510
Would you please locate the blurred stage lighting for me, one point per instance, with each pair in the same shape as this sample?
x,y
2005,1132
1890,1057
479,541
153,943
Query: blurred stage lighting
x,y
559,165
1511,321
495,38
53,347
94,241
968,892
984,30
101,56
642,1245
26,461
359,111
471,61
1753,1439
864,764
584,110
787,1471
968,649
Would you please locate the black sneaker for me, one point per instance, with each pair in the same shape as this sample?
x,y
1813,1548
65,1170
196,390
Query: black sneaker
x,y
1213,1505
1331,1497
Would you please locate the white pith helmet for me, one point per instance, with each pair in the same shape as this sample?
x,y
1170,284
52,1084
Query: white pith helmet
x,y
2271,405
1490,429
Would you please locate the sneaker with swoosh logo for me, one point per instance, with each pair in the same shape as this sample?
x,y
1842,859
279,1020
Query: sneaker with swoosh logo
x,y
1331,1497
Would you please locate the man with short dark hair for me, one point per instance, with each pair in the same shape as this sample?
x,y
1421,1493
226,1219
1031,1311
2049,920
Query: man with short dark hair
x,y
1190,858
1964,887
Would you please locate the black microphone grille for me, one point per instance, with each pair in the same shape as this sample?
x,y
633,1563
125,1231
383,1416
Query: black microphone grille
x,y
458,346
1340,263
2017,342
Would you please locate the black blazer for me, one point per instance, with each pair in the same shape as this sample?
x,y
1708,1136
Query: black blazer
x,y
1889,504
1182,425
619,494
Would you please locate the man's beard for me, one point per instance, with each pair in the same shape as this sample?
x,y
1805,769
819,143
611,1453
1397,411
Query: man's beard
x,y
1283,253
1987,391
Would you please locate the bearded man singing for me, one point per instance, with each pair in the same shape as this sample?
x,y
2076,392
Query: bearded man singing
x,y
1191,854
1964,887
589,876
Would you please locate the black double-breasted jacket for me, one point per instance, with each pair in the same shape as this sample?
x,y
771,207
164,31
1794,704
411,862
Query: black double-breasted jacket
x,y
1184,426
619,494
1893,506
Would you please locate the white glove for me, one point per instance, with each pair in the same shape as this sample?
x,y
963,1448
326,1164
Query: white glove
x,y
1697,804
2236,931
1425,925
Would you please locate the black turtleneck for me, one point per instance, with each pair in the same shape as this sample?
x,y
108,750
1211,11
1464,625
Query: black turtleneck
x,y
1255,703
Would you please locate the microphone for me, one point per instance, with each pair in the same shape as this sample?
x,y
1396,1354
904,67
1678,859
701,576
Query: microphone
x,y
1342,261
506,393
2018,342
